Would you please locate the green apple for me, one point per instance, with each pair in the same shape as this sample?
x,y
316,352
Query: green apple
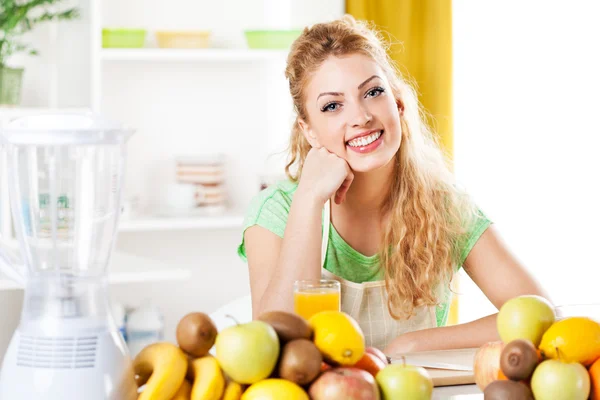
x,y
400,381
525,317
556,380
247,352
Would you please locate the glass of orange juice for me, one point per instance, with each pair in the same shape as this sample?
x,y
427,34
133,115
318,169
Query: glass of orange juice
x,y
311,297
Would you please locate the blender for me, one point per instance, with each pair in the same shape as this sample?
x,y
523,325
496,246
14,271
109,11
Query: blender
x,y
65,179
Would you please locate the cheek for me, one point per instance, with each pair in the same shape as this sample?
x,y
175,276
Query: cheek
x,y
333,134
392,121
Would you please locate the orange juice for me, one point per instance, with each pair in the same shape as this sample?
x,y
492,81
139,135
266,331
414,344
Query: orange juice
x,y
308,302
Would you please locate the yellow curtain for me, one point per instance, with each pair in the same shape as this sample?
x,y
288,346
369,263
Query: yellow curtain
x,y
421,36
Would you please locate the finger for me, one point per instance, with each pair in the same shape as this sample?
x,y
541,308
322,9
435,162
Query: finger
x,y
341,192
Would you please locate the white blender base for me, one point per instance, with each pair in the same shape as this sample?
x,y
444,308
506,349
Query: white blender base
x,y
92,367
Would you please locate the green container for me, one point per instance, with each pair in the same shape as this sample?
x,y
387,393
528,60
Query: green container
x,y
123,38
11,80
271,39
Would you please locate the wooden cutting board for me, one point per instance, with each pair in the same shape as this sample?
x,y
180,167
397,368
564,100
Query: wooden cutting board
x,y
446,377
446,367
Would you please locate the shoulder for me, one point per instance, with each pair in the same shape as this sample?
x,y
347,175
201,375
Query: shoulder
x,y
270,209
475,225
271,206
275,201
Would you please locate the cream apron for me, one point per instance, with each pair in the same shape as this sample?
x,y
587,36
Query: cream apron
x,y
367,303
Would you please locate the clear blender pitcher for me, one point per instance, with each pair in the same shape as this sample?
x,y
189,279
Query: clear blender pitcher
x,y
65,179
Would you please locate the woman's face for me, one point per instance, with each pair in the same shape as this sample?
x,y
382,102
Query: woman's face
x,y
352,112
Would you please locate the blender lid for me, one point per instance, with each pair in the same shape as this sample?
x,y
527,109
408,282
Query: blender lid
x,y
63,128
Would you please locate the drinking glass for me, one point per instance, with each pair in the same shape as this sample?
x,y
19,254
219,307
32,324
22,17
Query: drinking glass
x,y
313,296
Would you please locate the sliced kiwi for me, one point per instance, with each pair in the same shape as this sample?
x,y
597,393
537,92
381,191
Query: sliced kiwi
x,y
519,359
507,390
300,361
287,325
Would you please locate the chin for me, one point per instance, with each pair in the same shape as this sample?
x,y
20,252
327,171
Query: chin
x,y
378,158
371,163
381,158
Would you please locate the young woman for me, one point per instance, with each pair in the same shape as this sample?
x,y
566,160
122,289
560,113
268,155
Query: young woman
x,y
372,203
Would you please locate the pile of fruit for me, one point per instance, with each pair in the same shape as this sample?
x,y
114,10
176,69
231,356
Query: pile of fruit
x,y
278,356
538,356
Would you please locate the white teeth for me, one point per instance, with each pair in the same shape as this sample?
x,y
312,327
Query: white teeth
x,y
365,140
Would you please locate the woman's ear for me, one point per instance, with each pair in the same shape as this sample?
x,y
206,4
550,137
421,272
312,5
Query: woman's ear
x,y
309,134
400,105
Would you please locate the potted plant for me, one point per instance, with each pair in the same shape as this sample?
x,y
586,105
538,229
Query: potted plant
x,y
16,18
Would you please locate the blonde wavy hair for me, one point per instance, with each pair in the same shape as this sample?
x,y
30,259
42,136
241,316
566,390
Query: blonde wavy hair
x,y
420,246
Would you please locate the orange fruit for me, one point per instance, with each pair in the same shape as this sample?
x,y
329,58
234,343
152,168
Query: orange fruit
x,y
370,363
338,336
325,366
501,376
594,372
573,339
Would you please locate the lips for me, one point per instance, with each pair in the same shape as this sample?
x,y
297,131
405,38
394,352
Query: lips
x,y
362,134
366,144
365,140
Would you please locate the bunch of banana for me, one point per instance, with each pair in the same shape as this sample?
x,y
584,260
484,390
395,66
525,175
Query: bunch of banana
x,y
185,372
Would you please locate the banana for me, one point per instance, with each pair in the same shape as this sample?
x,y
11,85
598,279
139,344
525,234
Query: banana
x,y
209,381
233,391
161,367
184,392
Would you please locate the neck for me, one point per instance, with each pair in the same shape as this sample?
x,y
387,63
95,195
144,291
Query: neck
x,y
369,190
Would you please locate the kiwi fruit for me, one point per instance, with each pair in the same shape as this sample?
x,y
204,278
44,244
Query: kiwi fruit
x,y
300,361
196,334
507,390
287,325
518,359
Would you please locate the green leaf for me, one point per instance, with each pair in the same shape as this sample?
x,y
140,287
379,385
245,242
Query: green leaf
x,y
15,20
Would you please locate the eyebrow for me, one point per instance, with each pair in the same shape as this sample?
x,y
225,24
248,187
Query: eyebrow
x,y
341,94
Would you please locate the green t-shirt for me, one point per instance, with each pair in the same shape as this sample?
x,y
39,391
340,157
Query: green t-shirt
x,y
270,209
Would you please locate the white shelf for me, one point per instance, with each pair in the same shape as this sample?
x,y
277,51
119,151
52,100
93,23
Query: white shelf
x,y
128,268
157,223
153,54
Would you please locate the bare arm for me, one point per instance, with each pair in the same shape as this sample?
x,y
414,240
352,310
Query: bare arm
x,y
500,276
276,263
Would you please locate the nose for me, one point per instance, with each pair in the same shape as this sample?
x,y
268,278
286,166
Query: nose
x,y
360,116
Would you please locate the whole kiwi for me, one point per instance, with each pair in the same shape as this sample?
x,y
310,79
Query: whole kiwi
x,y
518,359
300,361
287,325
196,334
507,390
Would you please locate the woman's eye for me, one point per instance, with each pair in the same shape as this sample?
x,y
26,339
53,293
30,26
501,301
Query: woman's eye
x,y
330,107
375,92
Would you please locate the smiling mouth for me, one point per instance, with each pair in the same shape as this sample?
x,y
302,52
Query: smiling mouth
x,y
365,140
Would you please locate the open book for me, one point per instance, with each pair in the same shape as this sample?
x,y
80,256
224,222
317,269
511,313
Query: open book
x,y
446,367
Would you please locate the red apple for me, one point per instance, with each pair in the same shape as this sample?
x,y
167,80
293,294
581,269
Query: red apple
x,y
344,383
486,363
376,352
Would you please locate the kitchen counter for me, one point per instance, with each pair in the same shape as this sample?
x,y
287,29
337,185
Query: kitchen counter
x,y
460,392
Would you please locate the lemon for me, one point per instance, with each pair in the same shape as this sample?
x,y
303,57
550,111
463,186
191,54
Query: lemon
x,y
574,339
338,336
274,389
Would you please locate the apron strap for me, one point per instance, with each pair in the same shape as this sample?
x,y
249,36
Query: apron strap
x,y
326,223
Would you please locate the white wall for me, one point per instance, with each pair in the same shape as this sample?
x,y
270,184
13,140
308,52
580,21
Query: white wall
x,y
527,137
177,108
239,109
